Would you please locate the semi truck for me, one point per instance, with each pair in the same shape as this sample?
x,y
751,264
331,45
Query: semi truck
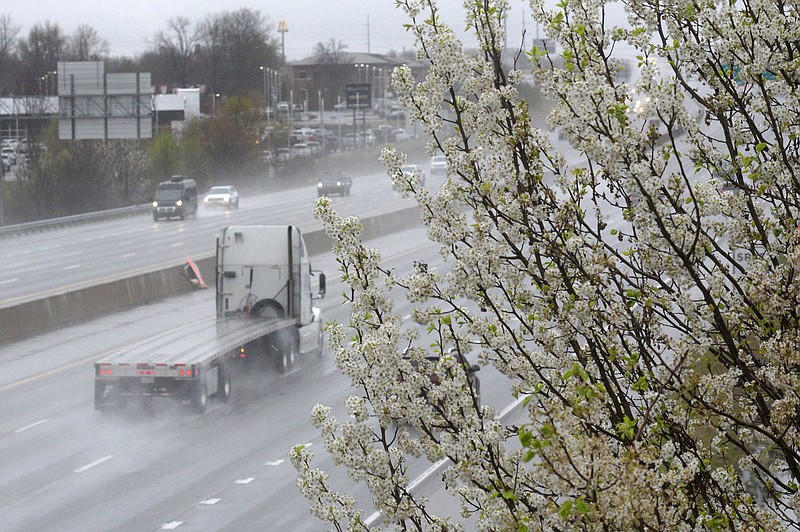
x,y
264,306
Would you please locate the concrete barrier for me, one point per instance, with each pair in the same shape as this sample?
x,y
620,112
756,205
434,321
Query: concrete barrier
x,y
42,315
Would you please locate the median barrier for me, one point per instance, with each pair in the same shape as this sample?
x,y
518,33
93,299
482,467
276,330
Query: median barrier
x,y
39,316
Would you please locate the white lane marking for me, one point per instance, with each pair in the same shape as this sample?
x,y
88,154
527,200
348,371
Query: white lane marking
x,y
275,462
245,480
9,281
128,255
432,469
209,502
26,427
96,462
176,245
72,267
171,526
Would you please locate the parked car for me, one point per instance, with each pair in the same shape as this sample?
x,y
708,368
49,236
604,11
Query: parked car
x,y
222,196
411,169
315,147
401,135
282,155
11,153
300,149
334,184
438,164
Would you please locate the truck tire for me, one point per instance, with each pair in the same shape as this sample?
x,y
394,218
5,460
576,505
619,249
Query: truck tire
x,y
199,399
100,403
288,353
224,388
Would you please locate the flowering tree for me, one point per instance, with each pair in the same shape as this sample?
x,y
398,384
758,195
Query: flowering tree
x,y
642,295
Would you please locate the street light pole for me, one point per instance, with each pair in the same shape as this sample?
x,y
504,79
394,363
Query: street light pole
x,y
266,103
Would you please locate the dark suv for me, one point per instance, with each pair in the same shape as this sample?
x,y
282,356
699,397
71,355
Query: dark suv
x,y
176,197
334,184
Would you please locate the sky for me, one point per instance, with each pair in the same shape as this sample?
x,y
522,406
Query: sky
x,y
362,25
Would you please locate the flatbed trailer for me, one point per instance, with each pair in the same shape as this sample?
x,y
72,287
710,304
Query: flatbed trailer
x,y
263,304
189,366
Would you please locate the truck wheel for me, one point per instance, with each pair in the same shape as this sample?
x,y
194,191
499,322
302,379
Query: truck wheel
x,y
224,389
155,217
289,352
100,402
199,399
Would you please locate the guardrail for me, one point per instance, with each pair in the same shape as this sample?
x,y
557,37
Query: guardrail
x,y
44,225
31,318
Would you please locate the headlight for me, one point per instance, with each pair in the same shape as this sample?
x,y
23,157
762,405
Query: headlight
x,y
155,204
338,183
319,185
205,200
179,203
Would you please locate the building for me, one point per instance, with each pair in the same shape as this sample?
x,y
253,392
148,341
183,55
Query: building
x,y
321,81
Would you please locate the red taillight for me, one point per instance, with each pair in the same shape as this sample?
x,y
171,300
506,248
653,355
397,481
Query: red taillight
x,y
102,371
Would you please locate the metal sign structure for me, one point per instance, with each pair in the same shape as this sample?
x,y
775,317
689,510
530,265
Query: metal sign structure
x,y
96,105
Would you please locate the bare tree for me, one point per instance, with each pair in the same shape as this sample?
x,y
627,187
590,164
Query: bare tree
x,y
176,46
234,46
331,52
86,45
39,54
334,63
8,42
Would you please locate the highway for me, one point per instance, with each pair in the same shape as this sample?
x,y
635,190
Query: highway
x,y
41,264
71,468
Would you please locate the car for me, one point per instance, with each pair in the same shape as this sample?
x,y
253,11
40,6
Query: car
x,y
6,164
334,184
300,149
222,196
283,107
401,135
314,146
411,169
176,197
282,155
11,153
438,164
